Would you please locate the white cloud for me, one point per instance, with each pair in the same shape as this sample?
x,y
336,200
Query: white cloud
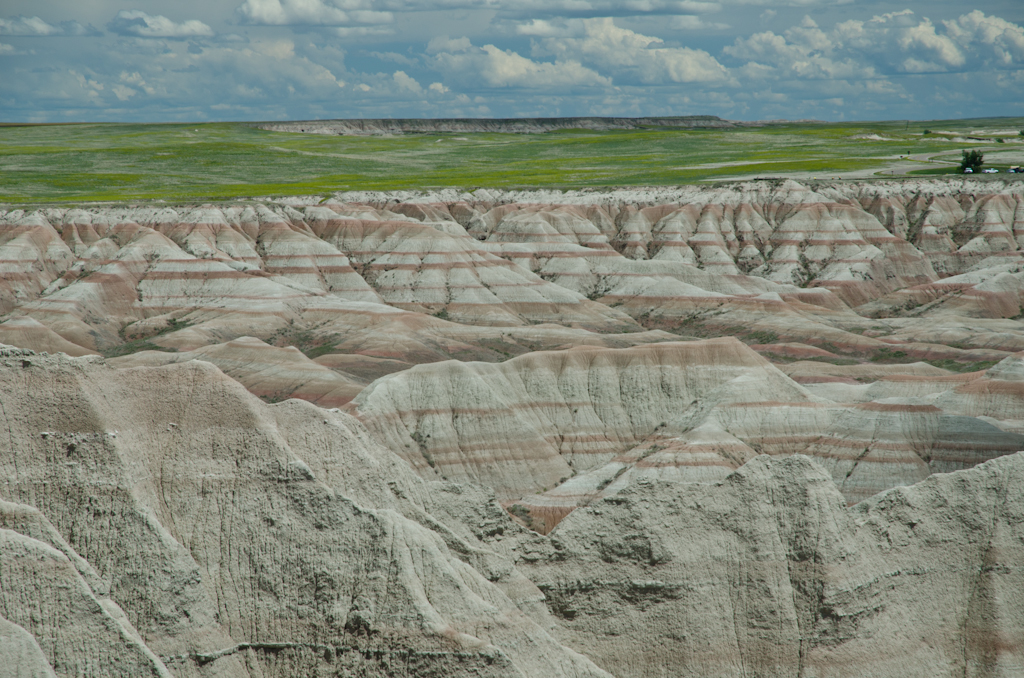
x,y
531,9
27,25
542,28
804,52
1005,39
282,50
633,55
581,57
393,57
899,41
312,12
361,31
494,67
443,43
141,25
123,92
573,8
922,39
136,80
852,50
36,27
406,82
689,22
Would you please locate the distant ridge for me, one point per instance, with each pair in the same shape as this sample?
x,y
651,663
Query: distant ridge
x,y
371,126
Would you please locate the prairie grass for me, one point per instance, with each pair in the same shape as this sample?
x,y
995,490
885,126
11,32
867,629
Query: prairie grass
x,y
221,161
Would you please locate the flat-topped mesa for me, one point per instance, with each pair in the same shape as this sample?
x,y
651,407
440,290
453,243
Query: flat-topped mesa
x,y
368,126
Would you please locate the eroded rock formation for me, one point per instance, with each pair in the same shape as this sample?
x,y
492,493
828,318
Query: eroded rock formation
x,y
163,521
758,429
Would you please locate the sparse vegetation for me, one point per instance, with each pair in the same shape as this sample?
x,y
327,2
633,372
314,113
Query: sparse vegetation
x,y
956,366
888,355
608,481
522,513
224,161
135,346
138,343
310,343
762,337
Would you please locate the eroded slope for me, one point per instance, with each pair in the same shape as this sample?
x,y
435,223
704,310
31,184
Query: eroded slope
x,y
239,539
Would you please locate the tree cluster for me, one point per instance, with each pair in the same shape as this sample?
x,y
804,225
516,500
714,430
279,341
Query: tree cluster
x,y
972,160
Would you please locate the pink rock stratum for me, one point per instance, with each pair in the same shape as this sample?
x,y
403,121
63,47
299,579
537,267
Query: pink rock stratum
x,y
762,429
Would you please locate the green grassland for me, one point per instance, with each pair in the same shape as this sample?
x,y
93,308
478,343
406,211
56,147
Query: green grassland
x,y
220,161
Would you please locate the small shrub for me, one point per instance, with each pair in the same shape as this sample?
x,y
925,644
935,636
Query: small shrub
x,y
521,512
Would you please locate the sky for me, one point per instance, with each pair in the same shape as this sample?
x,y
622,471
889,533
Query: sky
x,y
211,60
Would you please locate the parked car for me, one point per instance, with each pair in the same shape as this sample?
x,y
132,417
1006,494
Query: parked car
x,y
968,171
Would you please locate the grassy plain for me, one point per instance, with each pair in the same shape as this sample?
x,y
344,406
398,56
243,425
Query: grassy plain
x,y
217,161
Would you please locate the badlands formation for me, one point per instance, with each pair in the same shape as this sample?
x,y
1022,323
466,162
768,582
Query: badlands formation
x,y
759,429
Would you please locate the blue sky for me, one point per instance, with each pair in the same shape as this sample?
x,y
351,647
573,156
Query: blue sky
x,y
199,60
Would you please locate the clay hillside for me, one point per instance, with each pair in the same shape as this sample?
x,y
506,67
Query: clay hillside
x,y
758,429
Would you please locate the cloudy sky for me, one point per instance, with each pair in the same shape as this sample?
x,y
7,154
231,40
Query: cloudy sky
x,y
196,60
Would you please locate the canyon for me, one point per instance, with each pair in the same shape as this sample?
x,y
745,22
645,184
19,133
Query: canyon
x,y
760,428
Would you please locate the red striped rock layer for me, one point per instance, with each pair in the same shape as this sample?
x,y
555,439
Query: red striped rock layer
x,y
584,418
995,395
442,270
114,272
848,240
526,423
109,269
266,371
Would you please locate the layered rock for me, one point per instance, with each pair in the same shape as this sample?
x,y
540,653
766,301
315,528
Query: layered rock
x,y
766,260
269,372
238,539
587,420
768,573
517,360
